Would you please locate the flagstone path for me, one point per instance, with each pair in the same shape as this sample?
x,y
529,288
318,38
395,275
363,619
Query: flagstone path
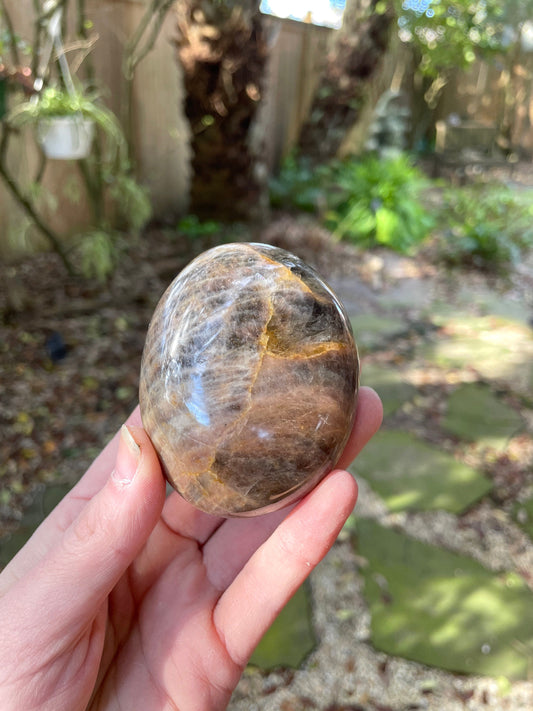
x,y
457,386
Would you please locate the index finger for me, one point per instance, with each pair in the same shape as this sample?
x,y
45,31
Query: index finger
x,y
276,570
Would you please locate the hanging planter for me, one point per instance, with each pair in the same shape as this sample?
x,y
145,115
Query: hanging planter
x,y
66,137
66,123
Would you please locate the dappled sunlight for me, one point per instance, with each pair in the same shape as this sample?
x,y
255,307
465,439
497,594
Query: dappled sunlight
x,y
444,609
410,474
407,500
498,349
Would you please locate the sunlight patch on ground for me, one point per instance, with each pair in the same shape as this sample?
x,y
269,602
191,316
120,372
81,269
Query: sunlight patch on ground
x,y
444,609
409,474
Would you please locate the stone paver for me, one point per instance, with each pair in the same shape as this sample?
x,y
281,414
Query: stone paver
x,y
372,332
476,414
484,301
444,609
499,350
291,638
410,474
389,383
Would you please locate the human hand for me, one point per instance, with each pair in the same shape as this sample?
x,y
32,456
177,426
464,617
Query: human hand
x,y
125,600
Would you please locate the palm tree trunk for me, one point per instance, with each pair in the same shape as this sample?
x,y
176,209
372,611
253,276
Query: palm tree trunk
x,y
351,65
223,50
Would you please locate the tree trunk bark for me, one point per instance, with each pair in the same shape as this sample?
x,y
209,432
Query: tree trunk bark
x,y
351,65
223,50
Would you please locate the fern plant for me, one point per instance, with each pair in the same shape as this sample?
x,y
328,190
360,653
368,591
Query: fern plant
x,y
488,226
368,200
378,201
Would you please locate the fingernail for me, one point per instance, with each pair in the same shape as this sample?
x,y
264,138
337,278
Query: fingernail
x,y
129,454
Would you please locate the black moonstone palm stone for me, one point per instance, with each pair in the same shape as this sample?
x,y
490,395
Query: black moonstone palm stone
x,y
249,380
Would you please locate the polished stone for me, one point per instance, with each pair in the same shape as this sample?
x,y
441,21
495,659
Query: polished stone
x,y
249,380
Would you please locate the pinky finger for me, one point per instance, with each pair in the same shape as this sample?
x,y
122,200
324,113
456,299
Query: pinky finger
x,y
281,564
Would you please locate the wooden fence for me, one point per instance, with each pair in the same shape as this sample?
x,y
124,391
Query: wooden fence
x,y
159,129
298,51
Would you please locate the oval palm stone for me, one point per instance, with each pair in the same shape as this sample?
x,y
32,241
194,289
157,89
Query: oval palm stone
x,y
249,380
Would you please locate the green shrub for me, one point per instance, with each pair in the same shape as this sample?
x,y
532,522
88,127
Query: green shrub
x,y
377,201
488,226
299,185
192,227
368,200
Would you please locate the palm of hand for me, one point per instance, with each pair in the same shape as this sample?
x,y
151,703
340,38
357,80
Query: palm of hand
x,y
162,645
179,633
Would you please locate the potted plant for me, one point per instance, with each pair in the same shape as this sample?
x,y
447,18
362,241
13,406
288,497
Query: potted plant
x,y
65,122
67,137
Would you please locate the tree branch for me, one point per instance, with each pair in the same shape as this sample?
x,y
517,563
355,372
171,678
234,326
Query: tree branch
x,y
11,34
154,15
27,204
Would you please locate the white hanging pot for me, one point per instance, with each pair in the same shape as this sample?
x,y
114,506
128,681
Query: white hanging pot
x,y
66,137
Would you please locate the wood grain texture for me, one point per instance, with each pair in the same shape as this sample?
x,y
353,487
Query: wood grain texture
x,y
249,380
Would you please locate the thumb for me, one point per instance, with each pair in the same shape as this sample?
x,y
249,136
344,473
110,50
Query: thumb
x,y
78,573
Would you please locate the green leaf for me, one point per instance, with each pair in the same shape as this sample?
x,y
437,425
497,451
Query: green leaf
x,y
387,227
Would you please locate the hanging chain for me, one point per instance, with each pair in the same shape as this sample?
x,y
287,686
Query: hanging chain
x,y
53,41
